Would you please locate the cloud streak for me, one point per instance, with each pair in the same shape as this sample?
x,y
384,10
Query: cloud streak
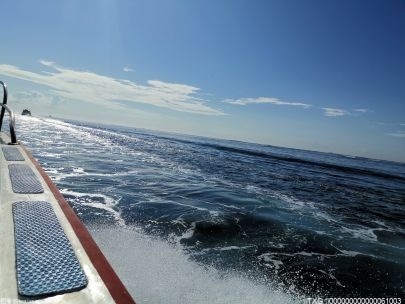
x,y
334,112
362,110
400,134
70,84
107,91
264,100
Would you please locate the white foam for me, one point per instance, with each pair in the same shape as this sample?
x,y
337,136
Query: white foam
x,y
189,232
225,248
366,234
269,258
156,272
108,204
89,137
234,248
350,253
330,275
50,155
78,170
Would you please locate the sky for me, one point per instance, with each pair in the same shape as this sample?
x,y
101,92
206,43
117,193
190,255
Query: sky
x,y
317,75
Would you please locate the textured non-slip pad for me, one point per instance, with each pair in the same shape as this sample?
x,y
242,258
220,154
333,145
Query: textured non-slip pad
x,y
46,262
24,180
12,154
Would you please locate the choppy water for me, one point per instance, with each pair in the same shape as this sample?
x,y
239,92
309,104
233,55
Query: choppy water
x,y
194,220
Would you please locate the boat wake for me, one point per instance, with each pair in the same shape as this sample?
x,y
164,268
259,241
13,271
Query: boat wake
x,y
155,271
186,219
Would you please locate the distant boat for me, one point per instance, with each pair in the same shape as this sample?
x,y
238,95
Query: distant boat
x,y
26,112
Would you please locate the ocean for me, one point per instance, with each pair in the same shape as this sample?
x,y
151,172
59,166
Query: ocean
x,y
186,219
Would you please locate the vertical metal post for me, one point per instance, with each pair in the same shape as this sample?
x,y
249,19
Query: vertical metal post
x,y
4,102
4,108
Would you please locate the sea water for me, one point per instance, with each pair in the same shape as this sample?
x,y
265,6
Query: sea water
x,y
187,219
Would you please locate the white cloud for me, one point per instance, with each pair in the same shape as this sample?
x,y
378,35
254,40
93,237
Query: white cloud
x,y
400,134
362,110
127,69
32,97
262,100
46,62
107,91
333,112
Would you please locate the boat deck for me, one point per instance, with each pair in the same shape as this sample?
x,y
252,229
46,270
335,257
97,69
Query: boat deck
x,y
32,186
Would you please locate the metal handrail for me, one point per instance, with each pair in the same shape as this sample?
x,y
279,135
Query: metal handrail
x,y
5,95
4,108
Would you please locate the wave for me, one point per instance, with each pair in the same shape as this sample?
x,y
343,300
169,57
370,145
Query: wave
x,y
291,159
156,272
283,155
108,204
234,206
113,139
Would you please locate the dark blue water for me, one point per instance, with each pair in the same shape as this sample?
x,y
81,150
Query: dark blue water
x,y
305,223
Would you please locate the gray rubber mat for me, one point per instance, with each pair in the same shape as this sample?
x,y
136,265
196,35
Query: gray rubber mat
x,y
23,179
45,260
12,154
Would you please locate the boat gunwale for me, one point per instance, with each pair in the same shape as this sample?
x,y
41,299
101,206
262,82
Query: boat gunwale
x,y
116,288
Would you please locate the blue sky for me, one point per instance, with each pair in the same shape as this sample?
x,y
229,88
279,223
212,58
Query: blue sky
x,y
318,75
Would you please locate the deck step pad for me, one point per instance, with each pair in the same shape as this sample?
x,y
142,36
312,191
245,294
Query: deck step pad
x,y
46,262
12,154
24,180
